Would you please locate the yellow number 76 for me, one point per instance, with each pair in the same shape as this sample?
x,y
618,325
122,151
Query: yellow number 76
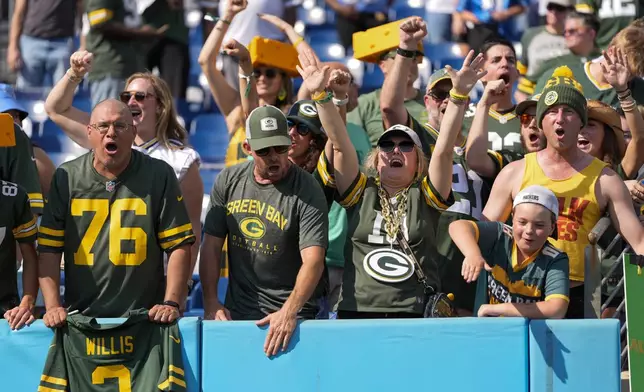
x,y
117,233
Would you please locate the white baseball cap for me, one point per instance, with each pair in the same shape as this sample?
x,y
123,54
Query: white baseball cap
x,y
539,195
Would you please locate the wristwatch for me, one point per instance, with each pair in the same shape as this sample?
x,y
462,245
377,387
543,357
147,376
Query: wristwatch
x,y
410,54
341,102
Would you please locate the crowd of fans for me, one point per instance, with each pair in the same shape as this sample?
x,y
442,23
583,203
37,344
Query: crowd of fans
x,y
406,201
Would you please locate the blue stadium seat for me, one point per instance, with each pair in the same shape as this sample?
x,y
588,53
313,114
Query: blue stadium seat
x,y
82,102
454,62
210,122
439,52
208,176
196,299
329,51
402,9
322,34
372,79
188,111
209,136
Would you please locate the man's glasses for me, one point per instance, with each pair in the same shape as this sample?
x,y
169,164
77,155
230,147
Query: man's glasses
x,y
301,128
438,95
526,119
569,32
388,146
268,73
278,150
104,127
139,96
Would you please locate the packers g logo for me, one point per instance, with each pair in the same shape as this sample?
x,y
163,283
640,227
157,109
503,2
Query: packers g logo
x,y
252,228
388,265
551,98
308,110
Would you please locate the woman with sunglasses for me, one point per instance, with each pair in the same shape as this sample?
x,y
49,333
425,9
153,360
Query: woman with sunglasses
x,y
158,132
274,87
399,196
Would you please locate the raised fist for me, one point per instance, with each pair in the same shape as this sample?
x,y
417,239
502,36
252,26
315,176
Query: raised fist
x,y
412,31
81,63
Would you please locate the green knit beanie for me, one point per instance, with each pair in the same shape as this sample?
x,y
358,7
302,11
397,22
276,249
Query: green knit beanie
x,y
562,89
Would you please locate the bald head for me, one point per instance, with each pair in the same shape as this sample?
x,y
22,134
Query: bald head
x,y
110,107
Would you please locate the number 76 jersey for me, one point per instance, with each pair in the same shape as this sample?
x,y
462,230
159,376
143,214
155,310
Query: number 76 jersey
x,y
114,233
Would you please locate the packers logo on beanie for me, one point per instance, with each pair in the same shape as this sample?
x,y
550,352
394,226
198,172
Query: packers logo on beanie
x,y
562,89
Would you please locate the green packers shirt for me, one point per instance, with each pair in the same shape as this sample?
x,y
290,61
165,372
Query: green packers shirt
x,y
267,226
113,56
18,165
134,356
504,129
592,89
378,275
614,15
541,277
17,223
114,233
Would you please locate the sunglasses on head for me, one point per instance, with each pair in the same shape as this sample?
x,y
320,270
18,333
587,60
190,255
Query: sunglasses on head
x,y
278,150
139,96
302,129
268,73
438,95
527,118
389,146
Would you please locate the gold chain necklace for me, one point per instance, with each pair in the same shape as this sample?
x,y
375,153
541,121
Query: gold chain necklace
x,y
393,219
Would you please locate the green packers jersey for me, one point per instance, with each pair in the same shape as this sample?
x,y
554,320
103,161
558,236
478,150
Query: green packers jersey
x,y
18,165
504,130
135,356
613,15
378,276
114,233
115,57
267,226
541,277
17,223
539,46
592,88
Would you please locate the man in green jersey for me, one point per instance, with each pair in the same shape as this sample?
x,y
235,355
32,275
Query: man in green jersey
x,y
614,15
113,212
528,277
274,215
114,27
17,223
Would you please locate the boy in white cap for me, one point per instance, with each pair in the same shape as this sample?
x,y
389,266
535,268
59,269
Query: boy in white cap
x,y
528,277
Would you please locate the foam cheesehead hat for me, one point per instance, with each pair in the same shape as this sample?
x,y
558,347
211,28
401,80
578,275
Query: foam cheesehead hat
x,y
266,127
378,42
605,114
401,130
538,194
562,89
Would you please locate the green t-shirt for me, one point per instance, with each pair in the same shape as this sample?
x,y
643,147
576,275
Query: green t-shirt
x,y
18,165
115,57
592,88
114,233
137,355
368,116
542,277
17,223
613,15
159,14
337,215
504,129
267,226
378,276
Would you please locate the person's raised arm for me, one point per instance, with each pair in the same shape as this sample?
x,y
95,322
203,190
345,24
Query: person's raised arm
x,y
441,163
617,74
499,205
298,42
392,96
476,148
345,158
59,101
247,82
225,96
620,208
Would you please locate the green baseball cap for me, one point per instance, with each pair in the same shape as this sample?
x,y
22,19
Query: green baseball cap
x,y
523,106
436,77
266,127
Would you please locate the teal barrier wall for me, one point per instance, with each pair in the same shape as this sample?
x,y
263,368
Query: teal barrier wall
x,y
454,355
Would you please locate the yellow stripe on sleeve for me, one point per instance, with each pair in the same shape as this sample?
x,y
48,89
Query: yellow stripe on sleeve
x,y
560,296
170,244
432,199
51,232
327,178
497,156
99,16
522,68
52,243
357,191
53,380
172,380
27,226
27,232
175,231
46,389
175,369
35,197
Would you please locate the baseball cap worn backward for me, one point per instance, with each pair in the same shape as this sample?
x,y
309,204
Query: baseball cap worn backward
x,y
436,77
401,130
538,194
305,112
8,101
266,127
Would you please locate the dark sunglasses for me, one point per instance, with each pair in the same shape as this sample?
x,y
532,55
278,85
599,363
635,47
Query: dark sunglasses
x,y
526,118
278,150
438,95
302,129
389,146
556,8
139,96
569,32
269,73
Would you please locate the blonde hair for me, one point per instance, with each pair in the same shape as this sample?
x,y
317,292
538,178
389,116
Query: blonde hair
x,y
167,126
631,41
371,163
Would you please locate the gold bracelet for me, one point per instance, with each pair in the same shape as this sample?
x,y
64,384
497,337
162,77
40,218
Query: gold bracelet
x,y
298,41
457,96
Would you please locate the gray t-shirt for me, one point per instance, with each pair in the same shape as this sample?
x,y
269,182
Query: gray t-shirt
x,y
267,227
49,19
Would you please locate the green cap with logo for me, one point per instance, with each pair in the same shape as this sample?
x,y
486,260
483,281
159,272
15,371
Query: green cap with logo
x,y
266,127
562,89
436,77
